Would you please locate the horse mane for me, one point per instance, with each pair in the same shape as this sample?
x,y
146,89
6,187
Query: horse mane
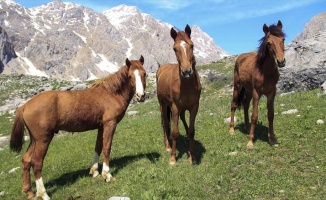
x,y
113,82
262,53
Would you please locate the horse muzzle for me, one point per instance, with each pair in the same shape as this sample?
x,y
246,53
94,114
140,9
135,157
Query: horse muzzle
x,y
140,97
281,63
187,73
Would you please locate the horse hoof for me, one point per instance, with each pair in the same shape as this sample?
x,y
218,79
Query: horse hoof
x,y
107,177
95,174
172,161
275,144
192,161
168,149
231,131
250,145
30,195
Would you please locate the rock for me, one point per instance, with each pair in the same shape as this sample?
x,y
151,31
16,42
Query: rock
x,y
13,170
290,111
132,113
320,121
227,120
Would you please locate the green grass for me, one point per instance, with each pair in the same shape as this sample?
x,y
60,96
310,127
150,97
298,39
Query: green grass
x,y
294,170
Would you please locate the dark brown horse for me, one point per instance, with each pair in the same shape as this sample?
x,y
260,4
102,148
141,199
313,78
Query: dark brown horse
x,y
256,74
101,107
178,90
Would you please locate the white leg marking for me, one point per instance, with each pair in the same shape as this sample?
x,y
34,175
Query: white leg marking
x,y
105,173
94,168
40,189
139,84
183,45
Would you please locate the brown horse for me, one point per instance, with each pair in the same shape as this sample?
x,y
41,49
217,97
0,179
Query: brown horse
x,y
256,74
101,107
178,90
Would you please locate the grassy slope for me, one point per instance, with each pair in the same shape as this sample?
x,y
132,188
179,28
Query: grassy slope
x,y
294,170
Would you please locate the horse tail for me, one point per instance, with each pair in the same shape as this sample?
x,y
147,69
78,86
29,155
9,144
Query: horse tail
x,y
17,134
241,97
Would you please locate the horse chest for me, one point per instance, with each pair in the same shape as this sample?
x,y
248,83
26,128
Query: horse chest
x,y
265,84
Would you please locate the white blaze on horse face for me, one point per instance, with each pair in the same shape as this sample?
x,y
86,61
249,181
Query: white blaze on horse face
x,y
183,45
41,189
139,84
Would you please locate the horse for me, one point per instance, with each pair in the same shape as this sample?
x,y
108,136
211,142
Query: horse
x,y
178,90
102,107
256,74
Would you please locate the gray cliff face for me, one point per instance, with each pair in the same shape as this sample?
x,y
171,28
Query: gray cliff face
x,y
69,41
6,49
306,58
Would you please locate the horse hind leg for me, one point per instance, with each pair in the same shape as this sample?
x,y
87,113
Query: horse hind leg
x,y
98,148
41,147
234,105
165,119
26,161
246,105
183,119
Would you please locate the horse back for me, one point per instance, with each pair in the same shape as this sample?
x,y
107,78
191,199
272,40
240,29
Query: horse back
x,y
76,111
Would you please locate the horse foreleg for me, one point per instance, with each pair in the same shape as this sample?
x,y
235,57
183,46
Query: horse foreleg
x,y
108,132
270,112
191,134
254,119
98,148
41,147
26,160
175,134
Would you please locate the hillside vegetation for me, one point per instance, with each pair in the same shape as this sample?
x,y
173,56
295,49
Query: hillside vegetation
x,y
226,169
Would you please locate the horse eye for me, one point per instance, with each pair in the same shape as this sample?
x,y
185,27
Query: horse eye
x,y
175,49
145,75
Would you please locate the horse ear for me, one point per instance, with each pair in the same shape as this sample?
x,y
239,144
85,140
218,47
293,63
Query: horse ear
x,y
173,33
188,30
128,63
141,59
265,29
279,24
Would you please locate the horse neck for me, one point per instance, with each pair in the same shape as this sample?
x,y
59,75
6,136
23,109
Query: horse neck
x,y
269,66
126,93
194,79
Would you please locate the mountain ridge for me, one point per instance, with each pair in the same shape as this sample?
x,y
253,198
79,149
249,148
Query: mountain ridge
x,y
69,41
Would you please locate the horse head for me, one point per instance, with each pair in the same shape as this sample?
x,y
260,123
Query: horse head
x,y
183,48
274,41
137,76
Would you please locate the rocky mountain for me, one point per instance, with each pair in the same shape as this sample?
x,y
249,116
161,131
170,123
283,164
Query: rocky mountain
x,y
306,58
6,49
73,42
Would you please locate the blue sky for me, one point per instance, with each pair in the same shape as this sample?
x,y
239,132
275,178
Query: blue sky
x,y
235,25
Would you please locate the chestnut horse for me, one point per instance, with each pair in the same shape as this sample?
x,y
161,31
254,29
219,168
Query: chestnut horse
x,y
256,74
178,90
102,106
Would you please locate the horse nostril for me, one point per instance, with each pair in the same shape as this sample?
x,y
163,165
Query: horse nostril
x,y
281,63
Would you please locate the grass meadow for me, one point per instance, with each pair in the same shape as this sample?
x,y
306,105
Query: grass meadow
x,y
226,169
